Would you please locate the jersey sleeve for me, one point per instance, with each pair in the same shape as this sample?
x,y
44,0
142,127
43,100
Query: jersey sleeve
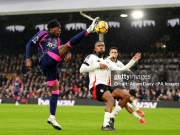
x,y
120,64
89,64
126,67
31,42
34,40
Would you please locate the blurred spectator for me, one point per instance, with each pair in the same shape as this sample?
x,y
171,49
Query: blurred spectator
x,y
163,67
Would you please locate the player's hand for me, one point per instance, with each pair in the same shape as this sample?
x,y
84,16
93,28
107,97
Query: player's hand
x,y
68,57
28,64
112,57
103,66
137,57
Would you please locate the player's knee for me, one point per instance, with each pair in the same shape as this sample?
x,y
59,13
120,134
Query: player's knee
x,y
111,99
55,86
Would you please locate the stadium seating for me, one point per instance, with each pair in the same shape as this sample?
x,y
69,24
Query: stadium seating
x,y
163,64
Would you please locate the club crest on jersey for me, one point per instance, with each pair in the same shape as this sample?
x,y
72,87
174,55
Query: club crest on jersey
x,y
101,90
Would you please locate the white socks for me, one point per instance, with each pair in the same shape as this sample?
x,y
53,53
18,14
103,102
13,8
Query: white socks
x,y
134,105
116,110
52,116
107,116
136,115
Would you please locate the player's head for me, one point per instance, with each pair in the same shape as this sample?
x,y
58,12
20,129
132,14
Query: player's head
x,y
54,27
113,51
99,48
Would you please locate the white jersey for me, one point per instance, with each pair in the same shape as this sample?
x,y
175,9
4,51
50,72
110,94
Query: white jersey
x,y
118,64
97,76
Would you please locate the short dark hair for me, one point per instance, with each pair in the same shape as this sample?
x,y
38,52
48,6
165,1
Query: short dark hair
x,y
113,48
97,42
53,23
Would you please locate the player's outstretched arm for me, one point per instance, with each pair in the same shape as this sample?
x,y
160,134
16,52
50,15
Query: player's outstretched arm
x,y
28,55
85,67
137,57
88,68
129,65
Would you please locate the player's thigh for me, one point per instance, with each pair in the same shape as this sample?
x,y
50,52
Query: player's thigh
x,y
52,76
63,50
107,96
50,58
99,90
120,93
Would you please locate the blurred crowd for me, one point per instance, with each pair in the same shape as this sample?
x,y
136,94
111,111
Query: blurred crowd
x,y
162,62
74,85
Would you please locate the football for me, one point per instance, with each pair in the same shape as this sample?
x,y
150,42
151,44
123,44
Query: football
x,y
101,27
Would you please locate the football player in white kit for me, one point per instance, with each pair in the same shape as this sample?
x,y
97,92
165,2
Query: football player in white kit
x,y
131,105
98,68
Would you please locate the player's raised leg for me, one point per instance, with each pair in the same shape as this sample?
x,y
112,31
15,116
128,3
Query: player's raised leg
x,y
63,50
134,106
131,111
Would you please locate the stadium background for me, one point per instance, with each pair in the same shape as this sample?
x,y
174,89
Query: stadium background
x,y
156,36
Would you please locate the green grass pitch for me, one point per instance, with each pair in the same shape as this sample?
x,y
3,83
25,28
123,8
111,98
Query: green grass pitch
x,y
84,120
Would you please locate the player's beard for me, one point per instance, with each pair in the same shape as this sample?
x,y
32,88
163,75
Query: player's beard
x,y
100,53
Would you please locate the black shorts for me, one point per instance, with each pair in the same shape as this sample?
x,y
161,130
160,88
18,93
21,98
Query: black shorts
x,y
98,90
48,65
115,87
